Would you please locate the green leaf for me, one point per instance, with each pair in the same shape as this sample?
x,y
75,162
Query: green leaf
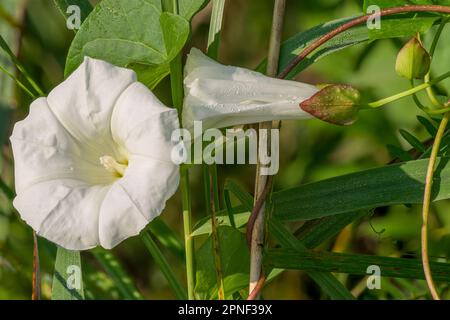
x,y
67,278
294,45
243,196
325,280
117,273
315,232
84,5
134,34
164,266
388,185
403,25
412,140
188,8
356,35
235,264
392,27
428,125
215,26
204,225
398,152
353,264
167,237
441,56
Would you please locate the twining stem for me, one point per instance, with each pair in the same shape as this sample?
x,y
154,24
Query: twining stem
x,y
255,228
357,21
176,80
210,171
382,102
429,90
36,286
426,205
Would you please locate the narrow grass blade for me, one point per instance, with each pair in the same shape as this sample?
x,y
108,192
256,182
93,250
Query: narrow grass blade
x,y
388,185
356,264
113,267
67,279
19,66
315,232
325,280
164,265
167,237
243,196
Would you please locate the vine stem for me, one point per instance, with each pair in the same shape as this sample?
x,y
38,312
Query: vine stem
x,y
36,286
382,102
426,206
210,171
430,91
176,82
355,22
255,229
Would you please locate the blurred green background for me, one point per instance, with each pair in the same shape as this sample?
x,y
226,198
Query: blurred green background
x,y
310,150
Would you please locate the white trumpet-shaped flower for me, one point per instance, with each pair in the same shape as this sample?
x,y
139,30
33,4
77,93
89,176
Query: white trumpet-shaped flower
x,y
221,96
92,160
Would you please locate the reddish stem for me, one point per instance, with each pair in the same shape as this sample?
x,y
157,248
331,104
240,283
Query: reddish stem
x,y
259,285
385,12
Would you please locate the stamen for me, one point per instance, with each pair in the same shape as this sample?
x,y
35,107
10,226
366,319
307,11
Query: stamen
x,y
112,165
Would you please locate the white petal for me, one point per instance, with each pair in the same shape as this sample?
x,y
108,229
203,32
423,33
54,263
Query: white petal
x,y
63,190
143,125
222,96
43,150
136,199
84,102
63,211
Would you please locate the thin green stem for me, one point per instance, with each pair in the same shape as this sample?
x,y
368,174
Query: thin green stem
x,y
20,67
210,172
176,81
415,97
382,102
188,239
117,273
163,265
429,90
19,83
426,206
215,27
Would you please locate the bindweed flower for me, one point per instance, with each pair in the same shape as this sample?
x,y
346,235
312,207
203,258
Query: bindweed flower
x,y
92,160
222,96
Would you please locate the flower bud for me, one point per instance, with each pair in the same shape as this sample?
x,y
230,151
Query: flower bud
x,y
336,104
413,61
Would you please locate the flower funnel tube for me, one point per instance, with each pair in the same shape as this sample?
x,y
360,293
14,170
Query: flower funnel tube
x,y
222,96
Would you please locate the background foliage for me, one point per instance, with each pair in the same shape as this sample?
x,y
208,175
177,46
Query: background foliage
x,y
310,151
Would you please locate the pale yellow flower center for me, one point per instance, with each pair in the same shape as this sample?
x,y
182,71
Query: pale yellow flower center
x,y
111,165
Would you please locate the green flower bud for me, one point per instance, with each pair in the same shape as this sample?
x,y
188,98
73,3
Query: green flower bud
x,y
413,61
336,104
